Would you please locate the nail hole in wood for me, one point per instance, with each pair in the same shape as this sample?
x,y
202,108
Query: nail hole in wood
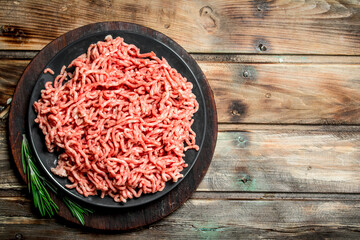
x,y
19,236
262,47
246,178
235,112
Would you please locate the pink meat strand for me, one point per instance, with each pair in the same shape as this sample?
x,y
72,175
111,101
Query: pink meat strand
x,y
49,70
123,120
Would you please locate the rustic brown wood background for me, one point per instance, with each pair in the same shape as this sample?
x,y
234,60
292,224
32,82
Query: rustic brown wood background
x,y
286,80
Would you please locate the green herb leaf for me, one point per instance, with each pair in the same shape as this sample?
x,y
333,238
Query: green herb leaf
x,y
41,197
76,210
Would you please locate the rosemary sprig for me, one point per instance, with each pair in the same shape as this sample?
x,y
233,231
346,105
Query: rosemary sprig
x,y
76,210
41,197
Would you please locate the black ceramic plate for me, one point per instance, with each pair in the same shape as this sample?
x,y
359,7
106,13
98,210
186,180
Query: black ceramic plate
x,y
146,43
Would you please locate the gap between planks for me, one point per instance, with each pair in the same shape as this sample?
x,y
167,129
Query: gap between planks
x,y
231,57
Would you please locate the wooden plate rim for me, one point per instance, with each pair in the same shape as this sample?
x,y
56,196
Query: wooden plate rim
x,y
122,219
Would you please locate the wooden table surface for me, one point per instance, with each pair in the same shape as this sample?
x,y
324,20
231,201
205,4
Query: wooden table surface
x,y
286,80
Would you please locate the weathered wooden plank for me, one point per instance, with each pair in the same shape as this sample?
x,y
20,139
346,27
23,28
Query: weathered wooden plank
x,y
9,179
318,27
285,160
285,93
26,54
204,219
10,72
20,192
266,159
263,93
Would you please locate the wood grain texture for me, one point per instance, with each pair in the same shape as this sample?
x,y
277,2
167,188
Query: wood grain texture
x,y
9,177
204,219
271,93
281,26
10,72
285,93
285,160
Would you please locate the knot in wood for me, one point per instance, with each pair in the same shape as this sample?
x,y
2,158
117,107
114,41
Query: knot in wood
x,y
208,19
